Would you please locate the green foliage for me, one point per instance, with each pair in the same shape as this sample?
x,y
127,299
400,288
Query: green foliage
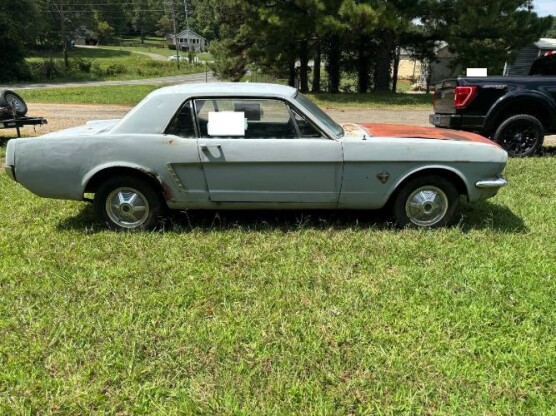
x,y
105,32
14,20
281,313
480,34
551,32
91,64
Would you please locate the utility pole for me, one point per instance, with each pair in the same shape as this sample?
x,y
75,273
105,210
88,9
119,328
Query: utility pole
x,y
186,21
175,34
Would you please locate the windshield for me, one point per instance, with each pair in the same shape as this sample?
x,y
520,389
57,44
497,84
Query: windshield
x,y
320,115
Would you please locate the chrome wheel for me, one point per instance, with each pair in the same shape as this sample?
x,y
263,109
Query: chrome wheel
x,y
426,206
127,207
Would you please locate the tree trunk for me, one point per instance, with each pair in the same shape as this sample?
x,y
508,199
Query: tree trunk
x,y
363,67
291,73
382,80
64,36
316,68
333,64
396,68
303,67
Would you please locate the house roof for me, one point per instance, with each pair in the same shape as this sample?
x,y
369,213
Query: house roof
x,y
183,34
546,43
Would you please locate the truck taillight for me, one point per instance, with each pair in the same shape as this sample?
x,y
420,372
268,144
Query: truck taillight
x,y
464,95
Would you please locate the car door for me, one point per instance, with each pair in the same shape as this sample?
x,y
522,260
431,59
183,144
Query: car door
x,y
252,150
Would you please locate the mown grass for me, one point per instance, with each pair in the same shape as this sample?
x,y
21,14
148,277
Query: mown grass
x,y
132,94
114,94
281,313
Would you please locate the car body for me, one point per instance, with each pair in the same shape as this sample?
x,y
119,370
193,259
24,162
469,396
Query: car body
x,y
515,111
177,58
251,146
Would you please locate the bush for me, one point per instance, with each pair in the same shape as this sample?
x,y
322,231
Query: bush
x,y
46,69
115,69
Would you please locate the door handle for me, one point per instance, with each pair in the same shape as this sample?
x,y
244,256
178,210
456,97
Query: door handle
x,y
205,147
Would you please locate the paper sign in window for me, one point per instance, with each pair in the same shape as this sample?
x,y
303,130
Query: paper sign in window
x,y
226,123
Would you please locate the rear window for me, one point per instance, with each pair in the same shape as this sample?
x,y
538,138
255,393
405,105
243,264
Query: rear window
x,y
545,65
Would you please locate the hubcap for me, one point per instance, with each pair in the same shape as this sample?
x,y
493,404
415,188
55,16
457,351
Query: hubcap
x,y
519,138
127,207
426,206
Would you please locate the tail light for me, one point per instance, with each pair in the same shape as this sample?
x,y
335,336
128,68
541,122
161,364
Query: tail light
x,y
464,95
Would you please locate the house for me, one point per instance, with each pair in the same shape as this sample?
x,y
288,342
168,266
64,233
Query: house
x,y
188,40
527,55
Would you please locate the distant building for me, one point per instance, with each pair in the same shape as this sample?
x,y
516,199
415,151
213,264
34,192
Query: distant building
x,y
527,55
187,41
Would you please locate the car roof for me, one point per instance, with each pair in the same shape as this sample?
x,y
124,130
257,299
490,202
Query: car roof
x,y
228,88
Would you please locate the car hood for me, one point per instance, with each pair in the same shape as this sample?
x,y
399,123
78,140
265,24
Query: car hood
x,y
399,131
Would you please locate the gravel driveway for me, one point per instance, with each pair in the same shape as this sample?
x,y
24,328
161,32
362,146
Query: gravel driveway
x,y
62,116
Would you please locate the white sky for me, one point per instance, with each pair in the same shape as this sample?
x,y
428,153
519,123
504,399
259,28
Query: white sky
x,y
545,7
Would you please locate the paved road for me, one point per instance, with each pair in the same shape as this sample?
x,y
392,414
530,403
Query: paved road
x,y
179,79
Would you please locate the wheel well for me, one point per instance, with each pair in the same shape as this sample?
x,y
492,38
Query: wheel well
x,y
453,177
101,176
530,107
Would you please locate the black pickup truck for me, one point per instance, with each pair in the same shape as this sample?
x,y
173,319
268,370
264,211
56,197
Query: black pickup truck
x,y
515,112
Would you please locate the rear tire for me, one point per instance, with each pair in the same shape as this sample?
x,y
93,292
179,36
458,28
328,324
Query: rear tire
x,y
13,101
128,203
426,202
521,135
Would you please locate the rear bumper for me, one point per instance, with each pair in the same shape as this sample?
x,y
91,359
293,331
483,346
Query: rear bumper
x,y
457,121
10,171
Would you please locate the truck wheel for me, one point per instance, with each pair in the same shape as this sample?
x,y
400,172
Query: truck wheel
x,y
12,100
426,202
520,135
128,203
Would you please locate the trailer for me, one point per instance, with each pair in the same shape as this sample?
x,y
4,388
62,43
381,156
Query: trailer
x,y
18,122
13,110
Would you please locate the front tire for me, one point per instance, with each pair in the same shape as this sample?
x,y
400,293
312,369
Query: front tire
x,y
521,135
426,202
128,203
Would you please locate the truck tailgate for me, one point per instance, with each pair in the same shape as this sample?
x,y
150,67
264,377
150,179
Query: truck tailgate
x,y
443,98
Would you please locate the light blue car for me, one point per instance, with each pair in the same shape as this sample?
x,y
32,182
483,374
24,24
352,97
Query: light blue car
x,y
254,146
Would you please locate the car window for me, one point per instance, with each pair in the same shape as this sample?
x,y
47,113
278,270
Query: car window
x,y
183,124
245,118
319,114
306,128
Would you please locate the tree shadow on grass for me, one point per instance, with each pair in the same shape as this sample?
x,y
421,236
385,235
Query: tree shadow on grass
x,y
482,216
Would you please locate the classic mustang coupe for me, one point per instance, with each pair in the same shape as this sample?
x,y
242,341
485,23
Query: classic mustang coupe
x,y
251,146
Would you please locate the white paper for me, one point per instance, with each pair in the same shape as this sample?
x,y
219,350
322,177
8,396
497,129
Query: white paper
x,y
476,72
226,123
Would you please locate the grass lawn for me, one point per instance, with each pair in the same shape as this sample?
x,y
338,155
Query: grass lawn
x,y
281,313
132,94
105,64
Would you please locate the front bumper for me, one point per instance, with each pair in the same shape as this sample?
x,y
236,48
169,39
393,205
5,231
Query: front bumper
x,y
10,171
457,121
491,183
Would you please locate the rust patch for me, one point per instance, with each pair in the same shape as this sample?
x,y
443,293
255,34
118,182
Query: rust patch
x,y
399,130
166,191
351,129
170,142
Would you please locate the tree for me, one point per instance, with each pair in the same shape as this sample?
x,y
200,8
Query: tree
x,y
551,31
481,33
15,20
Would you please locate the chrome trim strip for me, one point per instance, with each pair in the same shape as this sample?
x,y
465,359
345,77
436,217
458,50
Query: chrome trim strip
x,y
491,183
